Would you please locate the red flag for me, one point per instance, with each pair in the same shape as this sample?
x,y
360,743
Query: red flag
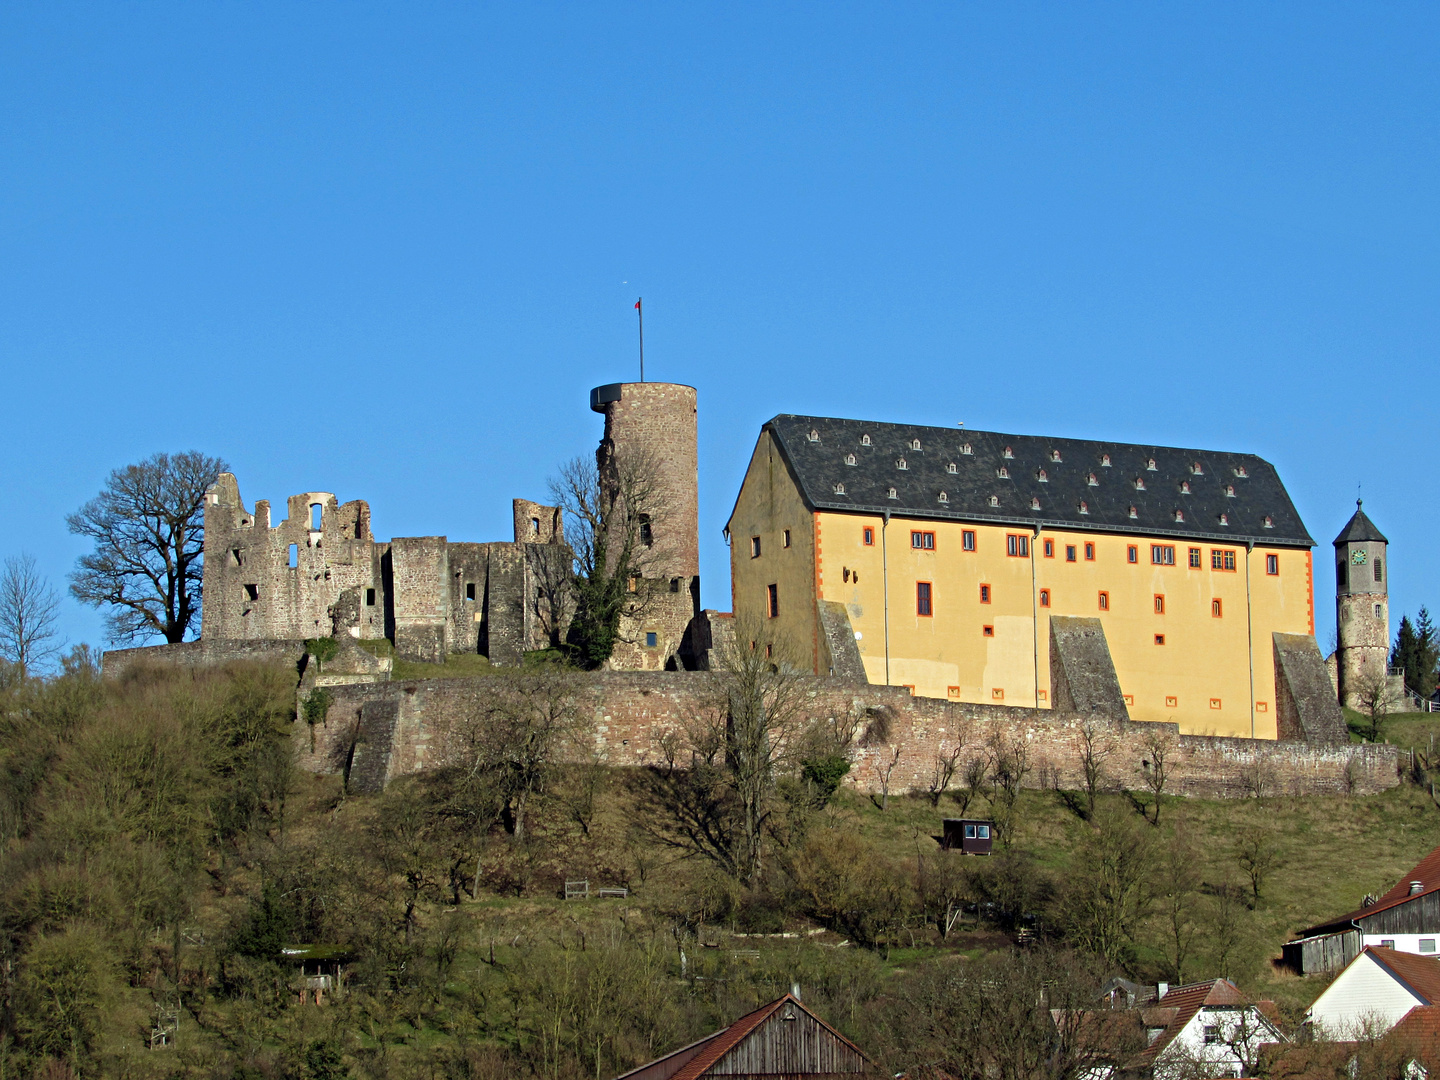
x,y
637,305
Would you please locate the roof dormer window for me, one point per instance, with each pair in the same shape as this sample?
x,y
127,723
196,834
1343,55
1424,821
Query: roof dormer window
x,y
814,435
849,459
1240,471
864,440
1084,507
966,449
1034,504
1133,512
1184,487
1007,452
1003,473
900,463
914,444
1197,469
1179,515
1224,519
1269,522
1040,475
994,500
892,494
1139,483
1229,491
839,489
952,467
1054,455
1150,464
1104,461
1093,480
944,498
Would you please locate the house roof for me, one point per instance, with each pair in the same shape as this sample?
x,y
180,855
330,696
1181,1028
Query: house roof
x,y
1359,529
1037,480
1104,1031
693,1061
1421,974
1188,1000
1419,1032
1427,872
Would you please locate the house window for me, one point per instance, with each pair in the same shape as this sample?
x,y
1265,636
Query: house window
x,y
869,536
1379,573
1018,545
469,590
1069,552
922,598
1132,554
1159,604
1216,609
967,539
1195,558
997,694
1387,943
651,639
1222,559
786,541
1049,549
754,547
1104,601
647,535
952,691
1089,552
984,594
969,832
1172,702
923,541
369,597
1214,703
987,631
772,600
1377,611
1162,554
1212,1034
1159,639
1427,944
1044,597
1272,565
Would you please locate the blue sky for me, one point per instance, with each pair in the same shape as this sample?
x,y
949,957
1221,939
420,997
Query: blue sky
x,y
386,250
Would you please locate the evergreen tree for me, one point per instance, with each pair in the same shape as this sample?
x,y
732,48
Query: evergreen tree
x,y
1402,653
1417,653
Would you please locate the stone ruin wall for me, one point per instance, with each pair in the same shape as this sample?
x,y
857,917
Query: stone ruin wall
x,y
381,731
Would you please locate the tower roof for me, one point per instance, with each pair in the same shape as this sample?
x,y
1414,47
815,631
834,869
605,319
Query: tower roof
x,y
1359,529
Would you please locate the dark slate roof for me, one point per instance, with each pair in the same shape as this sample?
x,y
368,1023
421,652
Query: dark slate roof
x,y
1359,529
1068,466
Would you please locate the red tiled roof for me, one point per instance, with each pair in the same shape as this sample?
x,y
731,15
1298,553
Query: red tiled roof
x,y
1419,1031
1420,973
709,1050
1427,872
1188,1000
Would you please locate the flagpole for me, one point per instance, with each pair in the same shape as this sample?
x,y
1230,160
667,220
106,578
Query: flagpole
x,y
640,314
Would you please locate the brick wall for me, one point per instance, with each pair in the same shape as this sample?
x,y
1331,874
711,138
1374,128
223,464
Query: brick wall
x,y
632,711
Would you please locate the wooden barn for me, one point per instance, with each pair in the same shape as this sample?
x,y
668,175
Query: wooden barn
x,y
1406,919
780,1040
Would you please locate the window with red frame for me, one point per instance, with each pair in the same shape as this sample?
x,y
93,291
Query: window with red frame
x,y
922,598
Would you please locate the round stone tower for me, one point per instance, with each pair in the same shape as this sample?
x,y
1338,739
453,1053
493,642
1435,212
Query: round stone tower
x,y
1362,608
657,420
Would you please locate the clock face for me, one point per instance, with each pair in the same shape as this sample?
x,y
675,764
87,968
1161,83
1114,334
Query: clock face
x,y
1358,558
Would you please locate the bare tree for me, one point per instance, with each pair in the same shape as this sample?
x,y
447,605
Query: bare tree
x,y
1177,886
148,527
1009,766
1373,699
1257,853
972,782
1094,746
29,612
715,793
1109,895
943,773
612,507
1156,767
882,765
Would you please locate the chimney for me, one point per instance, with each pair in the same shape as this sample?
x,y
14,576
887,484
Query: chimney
x,y
795,990
1161,989
1416,887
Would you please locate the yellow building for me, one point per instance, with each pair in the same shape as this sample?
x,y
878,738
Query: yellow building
x,y
950,550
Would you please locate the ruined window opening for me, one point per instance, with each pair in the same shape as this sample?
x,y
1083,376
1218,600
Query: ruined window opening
x,y
252,592
534,526
652,639
675,584
235,554
357,530
369,597
294,556
469,590
647,536
315,516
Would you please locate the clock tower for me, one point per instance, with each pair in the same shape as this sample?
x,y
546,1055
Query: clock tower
x,y
1362,608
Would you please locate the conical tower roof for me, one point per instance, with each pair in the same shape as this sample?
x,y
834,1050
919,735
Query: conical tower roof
x,y
1359,529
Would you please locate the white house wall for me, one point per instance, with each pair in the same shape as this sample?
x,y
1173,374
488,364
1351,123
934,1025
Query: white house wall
x,y
1422,944
1362,996
1189,1046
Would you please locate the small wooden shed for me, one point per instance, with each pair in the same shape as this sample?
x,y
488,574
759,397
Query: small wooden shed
x,y
973,836
781,1039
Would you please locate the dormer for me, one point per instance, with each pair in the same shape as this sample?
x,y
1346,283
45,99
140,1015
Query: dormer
x,y
1150,464
1240,471
900,463
1041,477
1054,455
864,440
1007,453
1003,473
966,450
1105,461
914,444
1092,480
1139,483
814,436
849,459
952,467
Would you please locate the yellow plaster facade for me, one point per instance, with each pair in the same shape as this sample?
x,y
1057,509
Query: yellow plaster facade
x,y
987,635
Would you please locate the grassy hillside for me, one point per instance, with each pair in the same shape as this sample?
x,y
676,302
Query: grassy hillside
x,y
161,854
